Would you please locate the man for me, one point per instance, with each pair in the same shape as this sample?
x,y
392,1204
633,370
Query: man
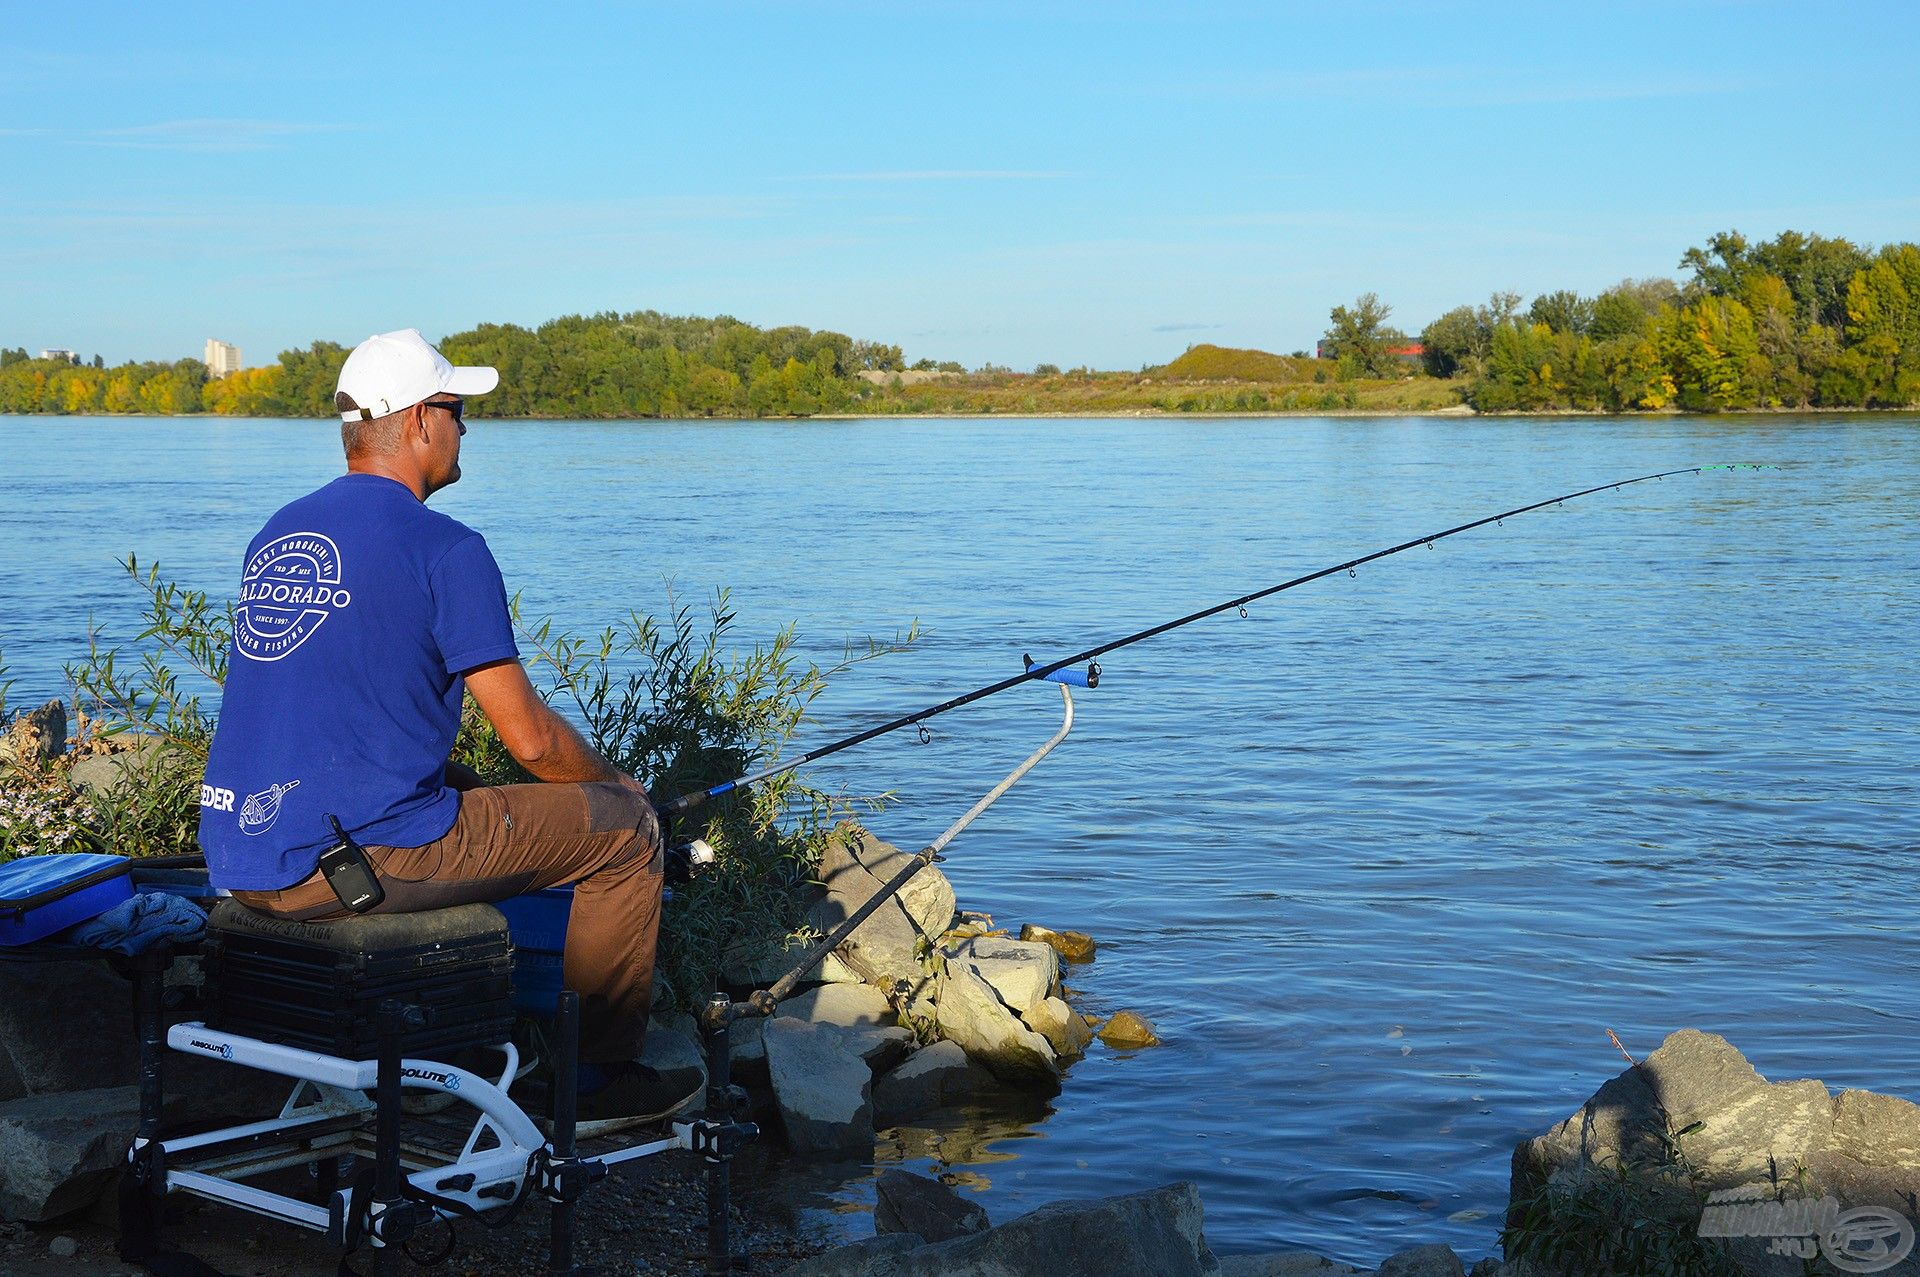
x,y
362,618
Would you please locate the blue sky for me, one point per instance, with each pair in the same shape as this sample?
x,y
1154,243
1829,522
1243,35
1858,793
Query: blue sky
x,y
1099,183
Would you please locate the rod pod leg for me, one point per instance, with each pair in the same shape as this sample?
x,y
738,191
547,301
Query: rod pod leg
x,y
566,1114
144,1186
717,1028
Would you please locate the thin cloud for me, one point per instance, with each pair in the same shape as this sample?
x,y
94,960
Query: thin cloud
x,y
932,175
201,135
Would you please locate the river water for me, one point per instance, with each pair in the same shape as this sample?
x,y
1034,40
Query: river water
x,y
1384,859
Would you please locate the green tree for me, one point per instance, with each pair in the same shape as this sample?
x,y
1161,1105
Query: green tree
x,y
1564,312
1359,339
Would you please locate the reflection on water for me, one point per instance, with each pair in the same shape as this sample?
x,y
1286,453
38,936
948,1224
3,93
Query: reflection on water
x,y
1383,860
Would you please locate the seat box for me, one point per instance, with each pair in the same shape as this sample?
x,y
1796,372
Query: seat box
x,y
319,985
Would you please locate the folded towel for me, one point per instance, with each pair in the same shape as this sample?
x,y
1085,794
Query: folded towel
x,y
141,922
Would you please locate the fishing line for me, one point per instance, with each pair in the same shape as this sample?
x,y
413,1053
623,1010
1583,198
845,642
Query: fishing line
x,y
1058,670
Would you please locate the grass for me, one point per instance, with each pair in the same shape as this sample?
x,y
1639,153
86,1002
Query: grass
x,y
1304,386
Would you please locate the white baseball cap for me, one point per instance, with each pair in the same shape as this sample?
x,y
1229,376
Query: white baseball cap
x,y
391,371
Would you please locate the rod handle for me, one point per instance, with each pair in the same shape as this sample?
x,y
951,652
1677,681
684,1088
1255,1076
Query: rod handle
x,y
1088,677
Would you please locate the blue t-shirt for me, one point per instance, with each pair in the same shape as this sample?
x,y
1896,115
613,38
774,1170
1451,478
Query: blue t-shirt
x,y
359,611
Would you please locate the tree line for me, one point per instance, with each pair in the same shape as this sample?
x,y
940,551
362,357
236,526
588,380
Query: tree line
x,y
1796,321
643,364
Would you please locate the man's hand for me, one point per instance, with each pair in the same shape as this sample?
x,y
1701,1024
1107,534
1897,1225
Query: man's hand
x,y
541,741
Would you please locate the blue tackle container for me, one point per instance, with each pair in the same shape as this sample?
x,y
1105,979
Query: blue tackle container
x,y
538,924
40,895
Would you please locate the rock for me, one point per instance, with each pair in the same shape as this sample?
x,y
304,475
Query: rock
x,y
969,1012
61,1151
839,1006
94,1006
675,1057
908,1203
823,1089
1021,973
37,737
1423,1261
1074,946
1152,1234
834,971
886,948
1488,1268
63,1246
1064,1031
861,1259
1736,1131
749,1053
1286,1263
1128,1031
100,773
933,1076
861,1014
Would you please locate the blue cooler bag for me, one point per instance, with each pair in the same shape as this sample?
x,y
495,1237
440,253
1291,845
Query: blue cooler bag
x,y
40,895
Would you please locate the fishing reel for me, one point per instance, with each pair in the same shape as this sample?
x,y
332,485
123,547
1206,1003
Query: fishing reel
x,y
687,858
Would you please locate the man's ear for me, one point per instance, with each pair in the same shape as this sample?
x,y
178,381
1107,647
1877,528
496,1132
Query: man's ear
x,y
417,423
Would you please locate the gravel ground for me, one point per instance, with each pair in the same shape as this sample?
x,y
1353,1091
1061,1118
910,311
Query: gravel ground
x,y
644,1219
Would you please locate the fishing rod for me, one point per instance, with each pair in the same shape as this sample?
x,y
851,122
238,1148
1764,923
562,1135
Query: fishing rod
x,y
1057,671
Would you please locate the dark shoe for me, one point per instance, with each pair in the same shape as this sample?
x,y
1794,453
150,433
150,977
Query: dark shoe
x,y
636,1096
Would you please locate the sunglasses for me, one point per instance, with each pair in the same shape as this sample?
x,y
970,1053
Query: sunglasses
x,y
457,407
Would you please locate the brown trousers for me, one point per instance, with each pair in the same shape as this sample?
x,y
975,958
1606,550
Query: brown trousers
x,y
511,839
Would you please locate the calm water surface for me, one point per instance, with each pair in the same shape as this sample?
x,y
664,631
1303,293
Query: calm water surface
x,y
1384,860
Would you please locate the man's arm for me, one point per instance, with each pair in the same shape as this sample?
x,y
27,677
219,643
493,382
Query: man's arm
x,y
541,741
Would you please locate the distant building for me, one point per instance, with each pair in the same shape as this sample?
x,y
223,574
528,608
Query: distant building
x,y
55,352
222,357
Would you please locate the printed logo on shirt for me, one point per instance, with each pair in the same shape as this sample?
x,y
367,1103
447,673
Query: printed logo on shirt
x,y
289,589
217,798
260,810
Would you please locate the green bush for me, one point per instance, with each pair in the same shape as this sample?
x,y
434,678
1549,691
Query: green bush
x,y
663,700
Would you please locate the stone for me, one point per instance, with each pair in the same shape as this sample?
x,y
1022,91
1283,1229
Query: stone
x,y
969,1012
834,971
1129,1031
63,1246
909,1203
886,948
1158,1233
60,1152
1736,1131
1064,1031
1074,946
99,773
839,1006
95,1007
36,737
1021,973
1286,1263
676,1058
824,1091
931,1077
1423,1261
749,1049
861,1259
1488,1268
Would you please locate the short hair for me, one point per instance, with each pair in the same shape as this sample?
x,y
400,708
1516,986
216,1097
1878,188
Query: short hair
x,y
360,435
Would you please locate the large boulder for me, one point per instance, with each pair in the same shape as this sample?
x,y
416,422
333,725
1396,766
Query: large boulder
x,y
1157,1233
969,1012
886,948
676,1057
861,1259
909,1203
59,1152
824,1090
935,1075
1697,1127
860,1014
1074,946
1023,974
